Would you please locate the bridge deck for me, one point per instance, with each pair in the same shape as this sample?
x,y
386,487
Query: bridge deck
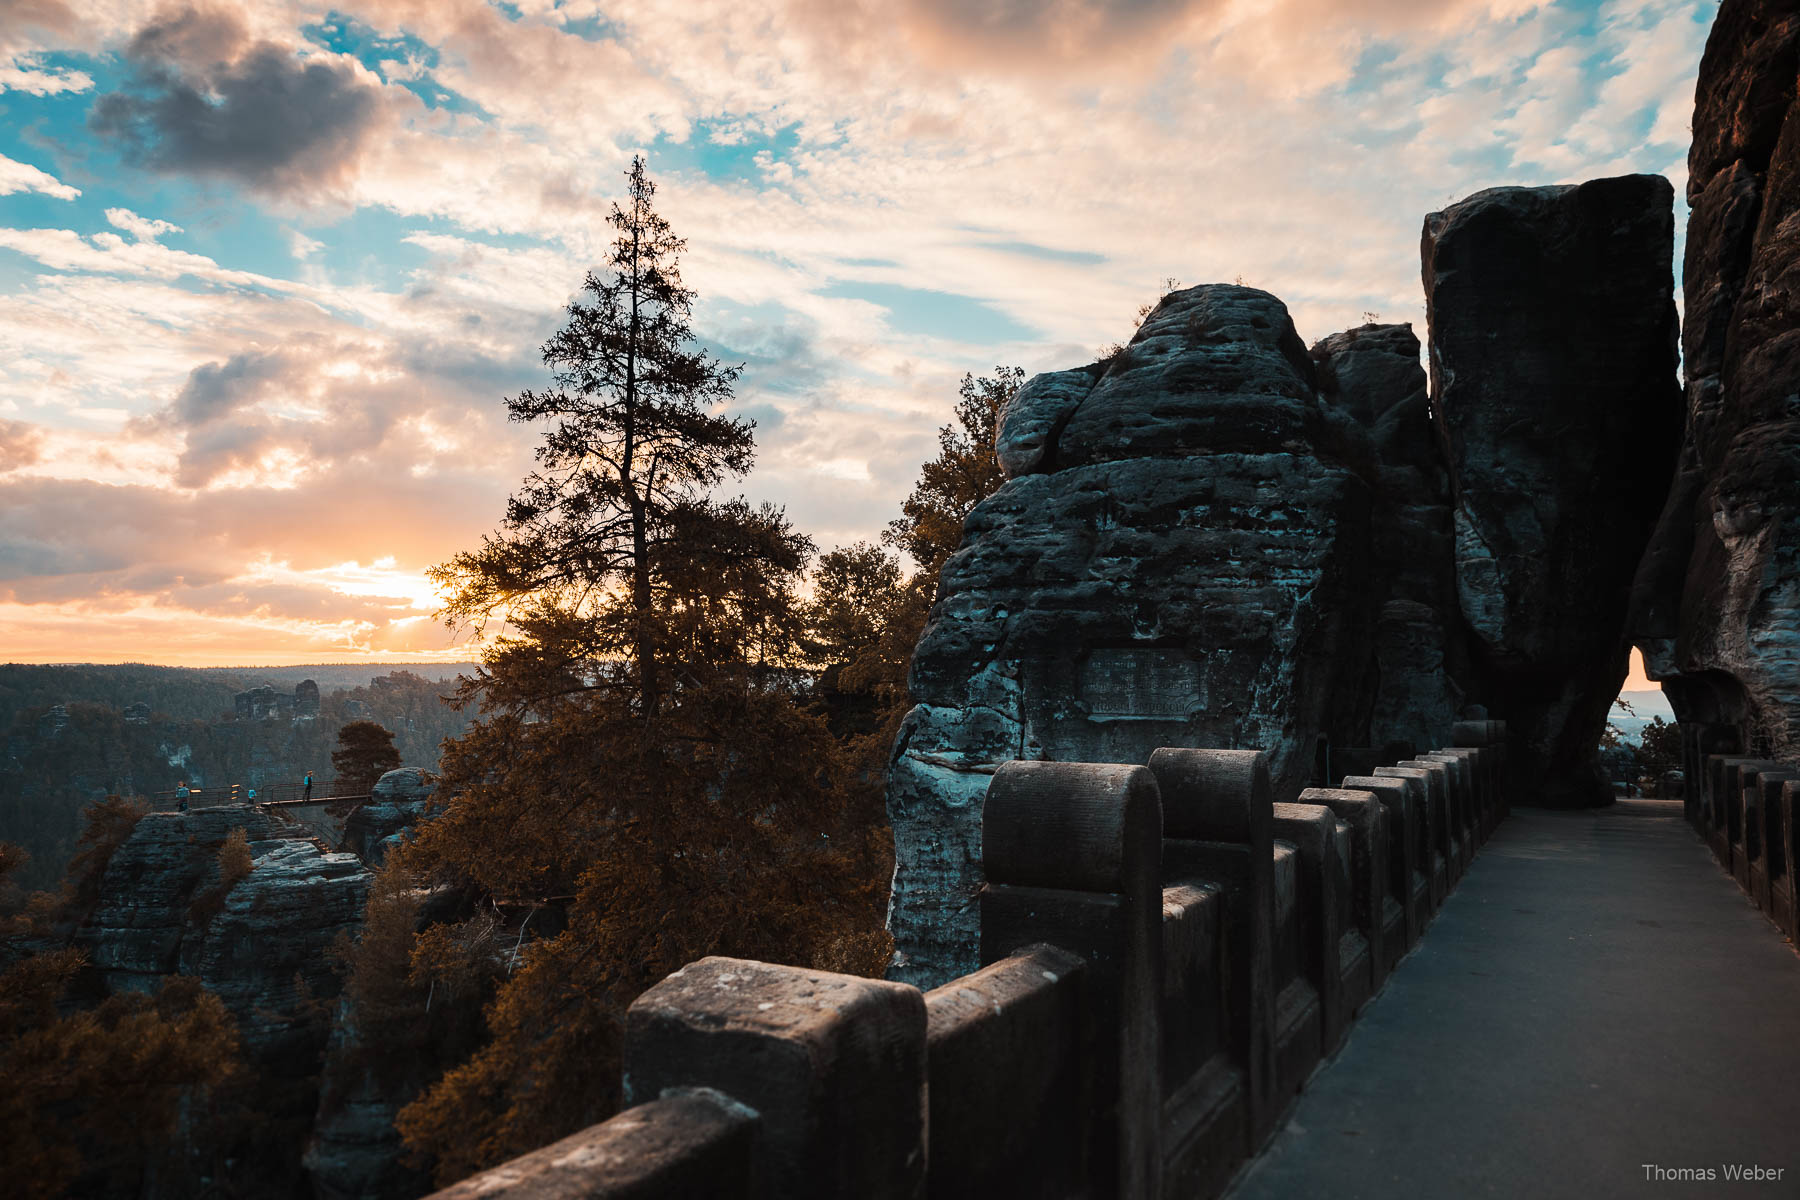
x,y
1596,995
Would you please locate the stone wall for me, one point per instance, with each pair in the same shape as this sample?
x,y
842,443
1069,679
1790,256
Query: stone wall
x,y
1748,811
1166,953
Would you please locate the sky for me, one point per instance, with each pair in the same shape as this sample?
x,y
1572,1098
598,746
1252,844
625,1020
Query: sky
x,y
267,270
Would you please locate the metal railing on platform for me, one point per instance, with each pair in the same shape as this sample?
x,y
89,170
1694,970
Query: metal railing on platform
x,y
293,792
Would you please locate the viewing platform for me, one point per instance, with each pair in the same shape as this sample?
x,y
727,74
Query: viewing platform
x,y
265,795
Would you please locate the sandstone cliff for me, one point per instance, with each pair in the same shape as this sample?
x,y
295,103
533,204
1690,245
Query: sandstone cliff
x,y
262,943
1553,363
1216,538
1717,599
1173,561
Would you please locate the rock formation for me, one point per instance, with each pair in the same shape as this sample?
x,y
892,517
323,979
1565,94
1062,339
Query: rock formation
x,y
1553,356
1716,607
1173,561
355,1153
1416,681
262,944
395,805
1216,539
264,703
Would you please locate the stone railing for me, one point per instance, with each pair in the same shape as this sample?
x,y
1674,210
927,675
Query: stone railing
x,y
1748,810
1169,955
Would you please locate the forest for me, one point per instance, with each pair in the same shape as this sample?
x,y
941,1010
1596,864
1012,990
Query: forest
x,y
72,735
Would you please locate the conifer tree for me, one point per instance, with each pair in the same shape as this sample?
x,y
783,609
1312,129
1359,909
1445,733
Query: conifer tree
x,y
614,554
365,752
645,786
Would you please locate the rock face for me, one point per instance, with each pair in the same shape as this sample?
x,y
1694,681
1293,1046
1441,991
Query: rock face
x,y
1172,562
1553,357
138,930
264,703
1716,607
277,922
1417,678
396,804
50,726
262,945
355,1153
267,954
1218,539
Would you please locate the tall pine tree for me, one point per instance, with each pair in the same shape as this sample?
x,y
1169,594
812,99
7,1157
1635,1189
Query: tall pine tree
x,y
645,786
614,560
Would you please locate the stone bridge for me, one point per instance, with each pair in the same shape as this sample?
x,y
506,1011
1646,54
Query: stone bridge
x,y
1178,971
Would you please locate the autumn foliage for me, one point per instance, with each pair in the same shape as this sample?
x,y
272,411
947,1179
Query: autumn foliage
x,y
683,729
679,754
650,781
100,1093
869,612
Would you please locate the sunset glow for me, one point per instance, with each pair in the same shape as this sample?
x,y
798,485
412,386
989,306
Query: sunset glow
x,y
251,368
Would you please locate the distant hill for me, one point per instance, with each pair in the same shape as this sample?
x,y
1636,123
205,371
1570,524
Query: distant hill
x,y
184,693
1649,704
338,676
1645,706
179,692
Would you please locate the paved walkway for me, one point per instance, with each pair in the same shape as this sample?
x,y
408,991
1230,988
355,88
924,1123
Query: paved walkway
x,y
1596,995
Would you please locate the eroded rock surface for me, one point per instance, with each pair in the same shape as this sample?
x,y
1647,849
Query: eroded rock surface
x,y
397,803
262,944
1171,563
1416,681
160,913
1553,359
1717,601
137,931
355,1153
1218,539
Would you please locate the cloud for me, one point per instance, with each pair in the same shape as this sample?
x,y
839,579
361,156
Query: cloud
x,y
108,253
216,390
878,197
1064,31
315,569
321,405
301,246
208,100
23,177
143,229
24,26
23,74
20,445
